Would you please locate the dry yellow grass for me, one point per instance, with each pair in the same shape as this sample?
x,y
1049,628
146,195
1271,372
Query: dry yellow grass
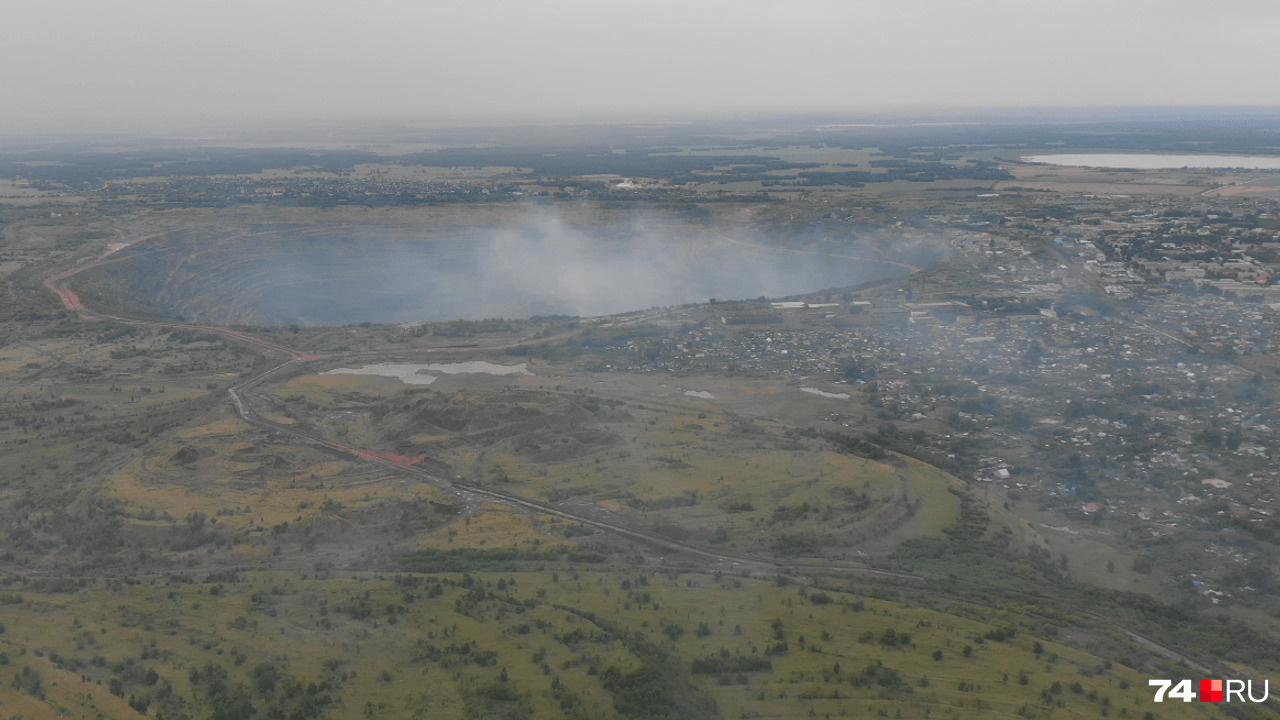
x,y
493,526
63,690
323,387
225,426
220,482
430,439
127,485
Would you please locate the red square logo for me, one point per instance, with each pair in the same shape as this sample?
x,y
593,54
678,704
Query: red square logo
x,y
1210,691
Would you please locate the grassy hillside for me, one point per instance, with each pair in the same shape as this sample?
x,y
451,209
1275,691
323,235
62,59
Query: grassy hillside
x,y
568,641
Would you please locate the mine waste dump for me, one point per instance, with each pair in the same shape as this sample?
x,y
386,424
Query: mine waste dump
x,y
472,267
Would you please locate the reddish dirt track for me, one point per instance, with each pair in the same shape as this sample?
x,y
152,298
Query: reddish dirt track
x,y
71,301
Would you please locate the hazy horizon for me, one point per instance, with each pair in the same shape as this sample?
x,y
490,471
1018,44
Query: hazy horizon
x,y
147,66
373,130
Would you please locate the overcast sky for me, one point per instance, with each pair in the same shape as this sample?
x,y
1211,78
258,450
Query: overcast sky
x,y
77,64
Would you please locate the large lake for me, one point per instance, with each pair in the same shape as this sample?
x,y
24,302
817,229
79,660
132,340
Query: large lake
x,y
468,263
1134,161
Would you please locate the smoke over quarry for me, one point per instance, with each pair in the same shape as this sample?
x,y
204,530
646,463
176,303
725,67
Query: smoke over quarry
x,y
538,262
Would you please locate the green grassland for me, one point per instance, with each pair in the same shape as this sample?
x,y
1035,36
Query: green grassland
x,y
692,470
202,568
72,406
563,642
260,613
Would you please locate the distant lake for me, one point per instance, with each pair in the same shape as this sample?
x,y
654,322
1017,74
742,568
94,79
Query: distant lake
x,y
1133,161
